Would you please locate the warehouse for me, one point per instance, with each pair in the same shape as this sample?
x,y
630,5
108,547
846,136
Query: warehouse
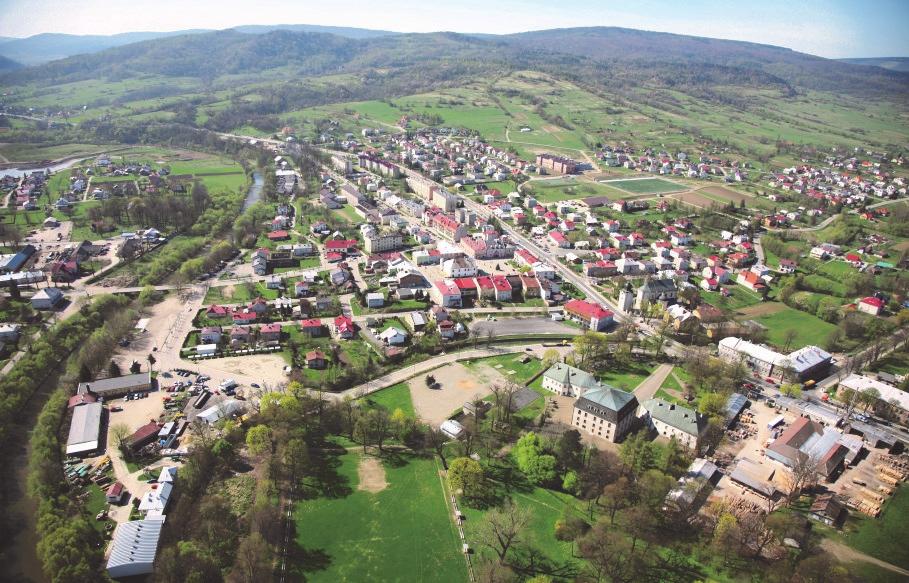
x,y
85,429
134,547
117,386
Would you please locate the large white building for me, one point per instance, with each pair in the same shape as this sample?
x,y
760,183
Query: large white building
x,y
85,429
388,241
804,363
134,547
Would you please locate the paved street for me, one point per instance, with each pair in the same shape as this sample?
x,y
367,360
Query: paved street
x,y
514,326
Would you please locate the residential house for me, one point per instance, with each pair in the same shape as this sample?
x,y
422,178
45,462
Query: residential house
x,y
210,335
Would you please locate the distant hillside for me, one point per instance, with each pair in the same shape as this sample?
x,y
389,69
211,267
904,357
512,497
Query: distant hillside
x,y
900,64
7,65
42,48
387,65
643,49
344,31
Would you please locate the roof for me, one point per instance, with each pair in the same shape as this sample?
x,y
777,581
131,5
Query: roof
x,y
101,386
873,301
134,547
755,476
588,309
85,428
612,399
223,409
734,405
156,499
888,393
681,418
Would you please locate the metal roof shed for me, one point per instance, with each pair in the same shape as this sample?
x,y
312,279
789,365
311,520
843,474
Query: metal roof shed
x,y
134,548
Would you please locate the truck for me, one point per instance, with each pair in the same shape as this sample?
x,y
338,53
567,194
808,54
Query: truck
x,y
229,384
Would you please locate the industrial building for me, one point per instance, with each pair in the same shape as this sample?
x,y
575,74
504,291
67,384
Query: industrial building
x,y
134,547
118,386
85,429
809,362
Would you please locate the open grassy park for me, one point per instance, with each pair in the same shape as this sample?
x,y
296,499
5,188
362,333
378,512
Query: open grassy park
x,y
375,519
392,398
779,319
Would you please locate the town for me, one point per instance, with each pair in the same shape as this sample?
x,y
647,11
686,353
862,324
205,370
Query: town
x,y
357,350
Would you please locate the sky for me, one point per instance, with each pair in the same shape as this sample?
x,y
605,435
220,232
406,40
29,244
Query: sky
x,y
828,28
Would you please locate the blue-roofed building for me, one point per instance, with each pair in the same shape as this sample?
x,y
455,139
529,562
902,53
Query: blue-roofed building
x,y
605,411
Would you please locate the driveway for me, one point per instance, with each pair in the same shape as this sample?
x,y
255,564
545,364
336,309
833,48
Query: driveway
x,y
651,384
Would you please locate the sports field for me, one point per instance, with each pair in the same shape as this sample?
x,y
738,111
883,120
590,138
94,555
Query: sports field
x,y
646,185
367,520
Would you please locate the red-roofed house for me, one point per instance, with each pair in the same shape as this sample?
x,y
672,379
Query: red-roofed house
x,y
600,268
344,326
752,281
502,288
871,305
449,227
312,327
216,312
341,246
281,235
593,315
467,287
487,289
531,286
525,257
445,293
270,332
559,239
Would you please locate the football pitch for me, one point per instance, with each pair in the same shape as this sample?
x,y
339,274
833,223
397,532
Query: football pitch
x,y
645,185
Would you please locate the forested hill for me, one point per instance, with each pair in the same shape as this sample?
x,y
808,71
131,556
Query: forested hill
x,y
637,48
8,65
610,57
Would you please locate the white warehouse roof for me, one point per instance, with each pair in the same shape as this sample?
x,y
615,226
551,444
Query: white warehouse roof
x,y
85,429
134,548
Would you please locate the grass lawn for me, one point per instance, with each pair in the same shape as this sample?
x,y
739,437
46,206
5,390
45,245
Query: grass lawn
x,y
738,297
348,214
646,185
97,501
545,507
402,533
810,329
629,377
392,398
884,537
894,363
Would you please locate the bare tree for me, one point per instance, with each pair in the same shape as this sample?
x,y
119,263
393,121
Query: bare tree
x,y
802,474
502,529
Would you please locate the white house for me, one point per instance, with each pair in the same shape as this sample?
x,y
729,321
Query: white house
x,y
375,300
47,299
393,336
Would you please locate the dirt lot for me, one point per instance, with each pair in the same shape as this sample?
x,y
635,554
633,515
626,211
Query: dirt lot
x,y
726,193
371,474
693,198
457,384
763,309
245,369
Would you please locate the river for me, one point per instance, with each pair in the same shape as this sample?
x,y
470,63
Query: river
x,y
18,553
255,191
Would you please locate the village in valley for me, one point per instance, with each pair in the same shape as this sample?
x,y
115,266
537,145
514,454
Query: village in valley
x,y
407,339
